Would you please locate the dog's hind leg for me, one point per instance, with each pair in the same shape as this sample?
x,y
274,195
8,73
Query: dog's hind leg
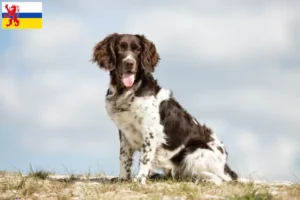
x,y
205,164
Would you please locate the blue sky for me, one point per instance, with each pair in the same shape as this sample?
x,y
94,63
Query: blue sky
x,y
234,65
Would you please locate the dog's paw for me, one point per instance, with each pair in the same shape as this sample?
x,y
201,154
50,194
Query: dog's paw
x,y
140,179
125,176
216,181
118,179
157,176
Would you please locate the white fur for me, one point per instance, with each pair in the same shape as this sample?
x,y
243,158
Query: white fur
x,y
143,109
129,57
195,121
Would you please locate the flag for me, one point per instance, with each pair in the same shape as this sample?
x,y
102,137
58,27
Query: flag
x,y
22,15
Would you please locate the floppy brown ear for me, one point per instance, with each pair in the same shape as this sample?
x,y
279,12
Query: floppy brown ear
x,y
149,56
104,53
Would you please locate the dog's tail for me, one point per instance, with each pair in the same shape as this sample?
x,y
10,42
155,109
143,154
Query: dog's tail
x,y
231,173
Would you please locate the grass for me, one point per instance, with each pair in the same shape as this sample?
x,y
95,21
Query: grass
x,y
253,196
41,184
40,174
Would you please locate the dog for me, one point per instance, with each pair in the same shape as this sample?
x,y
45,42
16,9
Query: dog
x,y
151,121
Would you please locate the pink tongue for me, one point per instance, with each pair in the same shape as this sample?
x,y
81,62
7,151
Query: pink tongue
x,y
128,79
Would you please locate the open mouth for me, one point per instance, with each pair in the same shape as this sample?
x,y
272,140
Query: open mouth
x,y
128,79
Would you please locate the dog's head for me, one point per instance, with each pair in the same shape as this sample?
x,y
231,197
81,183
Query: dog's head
x,y
126,56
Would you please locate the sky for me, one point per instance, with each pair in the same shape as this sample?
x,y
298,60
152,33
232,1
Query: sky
x,y
234,65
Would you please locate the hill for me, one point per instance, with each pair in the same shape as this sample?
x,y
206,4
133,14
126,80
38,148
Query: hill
x,y
39,185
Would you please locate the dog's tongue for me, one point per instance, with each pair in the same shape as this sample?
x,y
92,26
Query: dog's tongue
x,y
128,79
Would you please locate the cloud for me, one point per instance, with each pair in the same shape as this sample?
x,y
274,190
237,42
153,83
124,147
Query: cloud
x,y
60,37
54,105
231,36
253,101
268,160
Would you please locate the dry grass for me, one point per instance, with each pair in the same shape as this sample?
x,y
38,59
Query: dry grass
x,y
39,184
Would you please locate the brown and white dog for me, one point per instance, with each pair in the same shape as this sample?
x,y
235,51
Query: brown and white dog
x,y
151,121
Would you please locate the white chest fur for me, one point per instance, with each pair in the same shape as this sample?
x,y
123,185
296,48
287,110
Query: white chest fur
x,y
137,116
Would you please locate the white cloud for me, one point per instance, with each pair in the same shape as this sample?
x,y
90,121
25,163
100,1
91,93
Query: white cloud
x,y
58,45
8,94
55,105
226,37
260,102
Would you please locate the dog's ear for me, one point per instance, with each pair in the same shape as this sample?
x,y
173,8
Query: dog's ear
x,y
104,53
149,56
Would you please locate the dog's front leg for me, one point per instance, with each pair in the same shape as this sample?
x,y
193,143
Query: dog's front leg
x,y
147,155
126,153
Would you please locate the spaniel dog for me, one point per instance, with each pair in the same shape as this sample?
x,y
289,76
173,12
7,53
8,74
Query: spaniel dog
x,y
151,121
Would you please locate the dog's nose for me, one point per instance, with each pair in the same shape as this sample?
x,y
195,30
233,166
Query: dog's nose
x,y
128,65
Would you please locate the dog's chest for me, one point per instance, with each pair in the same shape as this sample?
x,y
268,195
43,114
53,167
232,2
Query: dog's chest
x,y
135,116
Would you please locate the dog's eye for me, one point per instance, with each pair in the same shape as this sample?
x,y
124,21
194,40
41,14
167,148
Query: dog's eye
x,y
137,49
123,46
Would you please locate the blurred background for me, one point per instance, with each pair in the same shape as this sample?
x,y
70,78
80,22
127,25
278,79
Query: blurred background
x,y
234,65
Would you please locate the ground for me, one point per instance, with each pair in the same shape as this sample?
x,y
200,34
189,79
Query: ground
x,y
39,184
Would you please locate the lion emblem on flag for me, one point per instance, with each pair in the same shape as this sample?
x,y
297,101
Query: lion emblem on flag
x,y
12,13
